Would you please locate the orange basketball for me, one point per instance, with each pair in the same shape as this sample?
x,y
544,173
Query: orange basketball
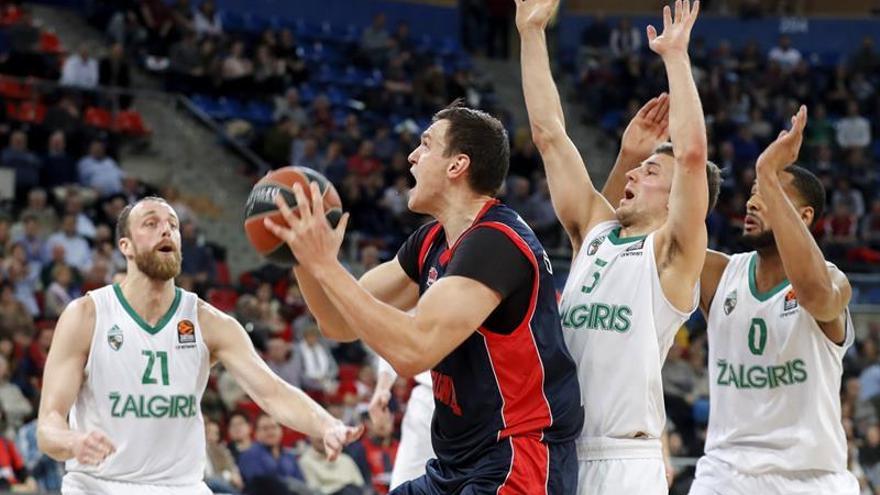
x,y
261,204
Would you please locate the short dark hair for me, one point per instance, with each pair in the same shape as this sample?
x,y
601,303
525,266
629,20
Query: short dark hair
x,y
810,188
481,137
713,174
122,228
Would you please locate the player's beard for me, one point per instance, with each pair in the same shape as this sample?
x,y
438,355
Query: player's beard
x,y
154,265
761,241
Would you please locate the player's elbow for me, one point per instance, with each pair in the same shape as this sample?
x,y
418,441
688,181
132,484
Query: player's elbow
x,y
547,135
339,332
821,303
409,364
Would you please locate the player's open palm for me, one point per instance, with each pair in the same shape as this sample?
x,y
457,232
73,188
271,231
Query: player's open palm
x,y
648,129
92,448
785,149
676,31
337,436
534,13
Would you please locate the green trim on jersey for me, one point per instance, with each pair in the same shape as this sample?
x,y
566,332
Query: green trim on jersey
x,y
753,285
615,238
140,321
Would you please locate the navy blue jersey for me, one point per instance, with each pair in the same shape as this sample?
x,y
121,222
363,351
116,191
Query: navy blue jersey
x,y
513,376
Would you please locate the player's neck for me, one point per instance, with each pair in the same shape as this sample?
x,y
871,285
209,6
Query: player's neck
x,y
769,271
459,214
639,228
149,298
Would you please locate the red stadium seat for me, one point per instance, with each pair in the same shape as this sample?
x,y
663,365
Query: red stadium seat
x,y
11,89
223,299
11,111
31,112
50,42
99,118
130,122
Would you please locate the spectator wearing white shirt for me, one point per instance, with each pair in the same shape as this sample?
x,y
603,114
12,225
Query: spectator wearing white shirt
x,y
99,171
80,70
785,55
77,252
319,367
853,131
207,20
625,39
73,206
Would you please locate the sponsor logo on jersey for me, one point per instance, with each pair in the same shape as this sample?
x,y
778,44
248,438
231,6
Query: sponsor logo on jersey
x,y
635,249
598,316
444,391
186,332
730,302
594,246
114,337
432,276
741,376
156,406
790,301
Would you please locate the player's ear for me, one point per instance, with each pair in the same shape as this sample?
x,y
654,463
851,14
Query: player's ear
x,y
807,214
458,166
124,246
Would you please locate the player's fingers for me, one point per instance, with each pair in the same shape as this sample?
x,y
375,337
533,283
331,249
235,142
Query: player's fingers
x,y
317,199
648,109
667,17
678,11
343,223
695,10
354,433
284,208
663,111
801,118
302,203
652,33
280,231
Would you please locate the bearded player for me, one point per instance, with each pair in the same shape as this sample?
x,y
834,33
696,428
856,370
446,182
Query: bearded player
x,y
129,363
634,278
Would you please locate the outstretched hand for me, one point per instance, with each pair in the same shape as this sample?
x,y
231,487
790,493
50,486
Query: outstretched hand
x,y
309,235
785,149
648,129
676,32
534,13
337,436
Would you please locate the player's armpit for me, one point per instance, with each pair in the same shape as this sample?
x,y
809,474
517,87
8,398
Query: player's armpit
x,y
713,269
447,314
62,377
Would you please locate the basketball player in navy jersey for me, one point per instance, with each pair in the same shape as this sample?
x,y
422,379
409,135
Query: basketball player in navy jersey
x,y
484,318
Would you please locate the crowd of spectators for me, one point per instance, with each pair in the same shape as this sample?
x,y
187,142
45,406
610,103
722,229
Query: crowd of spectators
x,y
56,233
747,96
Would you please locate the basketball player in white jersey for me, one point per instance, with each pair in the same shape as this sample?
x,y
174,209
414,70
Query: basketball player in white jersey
x,y
415,447
778,328
634,278
128,365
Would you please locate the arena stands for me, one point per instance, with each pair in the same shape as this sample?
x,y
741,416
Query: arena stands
x,y
348,95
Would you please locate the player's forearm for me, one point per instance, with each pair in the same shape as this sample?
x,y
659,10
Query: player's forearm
x,y
542,98
801,257
55,438
687,126
387,330
294,409
331,323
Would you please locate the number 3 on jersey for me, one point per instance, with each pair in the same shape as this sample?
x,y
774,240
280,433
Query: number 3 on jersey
x,y
600,263
148,379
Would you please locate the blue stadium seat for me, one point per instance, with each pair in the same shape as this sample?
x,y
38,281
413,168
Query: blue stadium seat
x,y
259,113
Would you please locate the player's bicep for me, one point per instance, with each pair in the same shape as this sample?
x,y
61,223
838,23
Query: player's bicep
x,y
688,207
68,354
390,284
449,312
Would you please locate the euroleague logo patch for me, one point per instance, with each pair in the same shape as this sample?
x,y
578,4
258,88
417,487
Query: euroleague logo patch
x,y
432,276
790,301
186,332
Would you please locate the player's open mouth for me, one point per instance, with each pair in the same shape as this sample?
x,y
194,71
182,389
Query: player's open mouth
x,y
166,248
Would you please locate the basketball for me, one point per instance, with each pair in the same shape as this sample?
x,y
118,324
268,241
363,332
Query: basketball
x,y
261,205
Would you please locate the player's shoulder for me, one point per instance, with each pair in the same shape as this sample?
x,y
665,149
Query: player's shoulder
x,y
209,316
82,309
77,324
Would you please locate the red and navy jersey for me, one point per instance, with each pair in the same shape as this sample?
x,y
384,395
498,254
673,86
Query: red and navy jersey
x,y
513,376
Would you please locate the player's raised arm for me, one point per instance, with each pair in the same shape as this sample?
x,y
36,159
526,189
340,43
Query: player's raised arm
x,y
683,239
62,379
289,405
578,204
823,292
648,129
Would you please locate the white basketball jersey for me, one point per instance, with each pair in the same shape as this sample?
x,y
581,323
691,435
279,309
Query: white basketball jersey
x,y
143,386
618,326
774,379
